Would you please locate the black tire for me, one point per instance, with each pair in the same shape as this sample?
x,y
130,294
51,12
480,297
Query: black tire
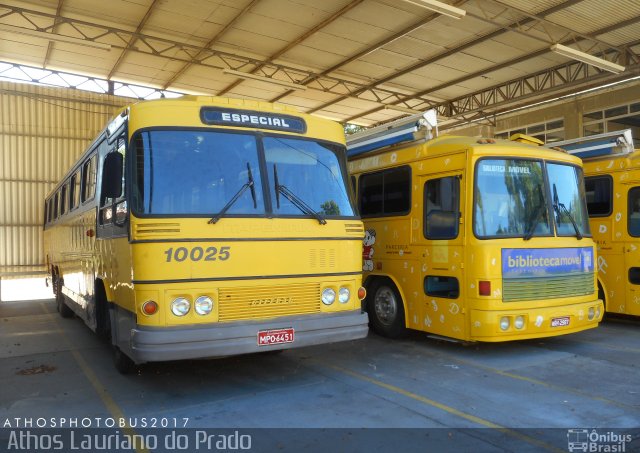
x,y
61,305
602,297
385,308
123,363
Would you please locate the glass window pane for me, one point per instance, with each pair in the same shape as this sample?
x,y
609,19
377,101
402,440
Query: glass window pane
x,y
598,195
555,125
535,129
89,179
592,116
593,129
195,172
440,286
371,194
568,199
617,111
386,193
441,208
634,212
312,172
509,199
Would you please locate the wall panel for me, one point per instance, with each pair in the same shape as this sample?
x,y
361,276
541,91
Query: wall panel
x,y
42,132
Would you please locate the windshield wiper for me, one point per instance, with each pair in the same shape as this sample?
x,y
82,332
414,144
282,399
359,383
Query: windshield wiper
x,y
293,198
249,185
534,223
557,206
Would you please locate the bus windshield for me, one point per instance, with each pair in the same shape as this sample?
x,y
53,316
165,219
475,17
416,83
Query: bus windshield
x,y
199,172
511,199
567,189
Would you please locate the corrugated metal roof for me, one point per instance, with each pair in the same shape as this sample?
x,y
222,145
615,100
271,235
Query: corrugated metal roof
x,y
335,47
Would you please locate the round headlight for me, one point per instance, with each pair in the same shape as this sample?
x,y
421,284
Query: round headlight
x,y
598,313
519,322
592,313
504,323
328,296
343,295
180,306
203,305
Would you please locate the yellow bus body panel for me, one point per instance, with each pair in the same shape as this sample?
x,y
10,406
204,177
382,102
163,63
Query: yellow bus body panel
x,y
261,273
402,254
618,250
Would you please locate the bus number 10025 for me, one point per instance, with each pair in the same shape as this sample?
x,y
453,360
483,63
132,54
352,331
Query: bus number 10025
x,y
197,254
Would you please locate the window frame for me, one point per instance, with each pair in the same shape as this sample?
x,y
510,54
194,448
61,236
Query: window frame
x,y
425,214
608,178
383,172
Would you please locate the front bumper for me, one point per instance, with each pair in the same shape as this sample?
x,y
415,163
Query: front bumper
x,y
485,325
226,339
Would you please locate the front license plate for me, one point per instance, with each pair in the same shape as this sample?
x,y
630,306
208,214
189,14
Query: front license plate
x,y
275,336
560,322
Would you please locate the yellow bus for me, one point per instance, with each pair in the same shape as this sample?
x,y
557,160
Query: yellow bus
x,y
612,182
472,239
206,227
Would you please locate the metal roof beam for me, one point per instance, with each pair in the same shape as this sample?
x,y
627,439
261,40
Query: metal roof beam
x,y
627,55
53,30
435,59
367,51
211,42
295,42
132,40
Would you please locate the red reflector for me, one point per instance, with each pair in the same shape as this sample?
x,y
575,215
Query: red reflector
x,y
484,288
362,293
149,307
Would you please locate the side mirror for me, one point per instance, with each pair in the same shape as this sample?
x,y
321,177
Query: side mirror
x,y
112,175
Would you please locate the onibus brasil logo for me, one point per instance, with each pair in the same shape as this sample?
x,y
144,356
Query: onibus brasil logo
x,y
593,441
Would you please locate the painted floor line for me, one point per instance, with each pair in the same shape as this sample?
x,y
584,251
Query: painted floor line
x,y
100,389
444,407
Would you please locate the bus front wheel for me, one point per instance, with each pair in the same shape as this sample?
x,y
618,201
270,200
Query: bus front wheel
x,y
122,361
385,308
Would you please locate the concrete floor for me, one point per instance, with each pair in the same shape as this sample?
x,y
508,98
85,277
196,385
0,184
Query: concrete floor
x,y
529,393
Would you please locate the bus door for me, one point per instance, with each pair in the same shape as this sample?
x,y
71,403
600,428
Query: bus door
x,y
113,222
632,254
441,240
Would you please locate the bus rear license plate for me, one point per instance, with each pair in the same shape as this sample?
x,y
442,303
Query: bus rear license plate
x,y
560,322
275,336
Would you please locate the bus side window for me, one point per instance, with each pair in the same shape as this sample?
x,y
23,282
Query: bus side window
x,y
634,212
88,179
55,205
385,193
64,195
599,195
74,189
442,208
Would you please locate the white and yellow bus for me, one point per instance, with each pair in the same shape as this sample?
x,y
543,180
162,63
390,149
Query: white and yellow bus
x,y
206,227
472,239
612,181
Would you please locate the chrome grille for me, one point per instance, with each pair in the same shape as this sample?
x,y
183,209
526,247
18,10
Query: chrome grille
x,y
260,302
517,289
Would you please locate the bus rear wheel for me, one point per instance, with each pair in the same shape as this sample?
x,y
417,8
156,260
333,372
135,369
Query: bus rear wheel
x,y
386,310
